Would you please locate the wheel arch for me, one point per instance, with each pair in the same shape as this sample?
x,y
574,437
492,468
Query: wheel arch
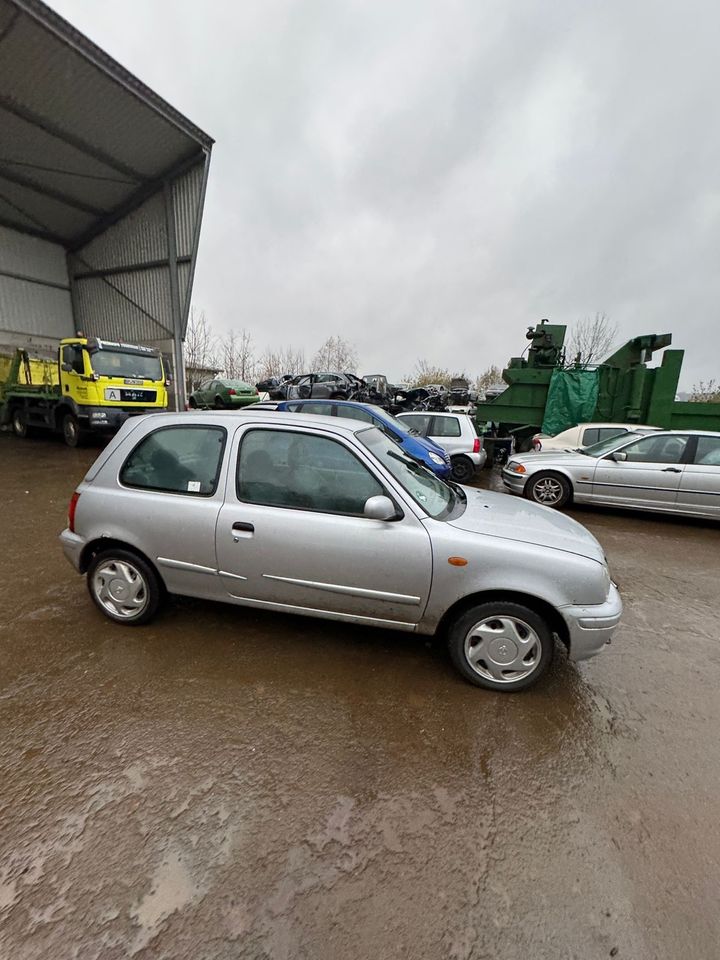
x,y
553,472
543,608
101,544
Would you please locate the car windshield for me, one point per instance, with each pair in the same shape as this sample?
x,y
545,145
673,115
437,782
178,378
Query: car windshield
x,y
394,422
436,497
610,443
112,363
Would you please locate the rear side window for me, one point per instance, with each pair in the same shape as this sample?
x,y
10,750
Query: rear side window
x,y
279,468
708,451
321,409
419,422
445,427
177,460
355,413
595,434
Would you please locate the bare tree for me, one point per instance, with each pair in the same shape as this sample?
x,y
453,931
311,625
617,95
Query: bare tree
x,y
237,357
276,363
199,349
335,354
592,339
706,392
425,373
490,378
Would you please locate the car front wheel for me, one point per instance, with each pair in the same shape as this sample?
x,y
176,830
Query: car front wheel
x,y
124,587
501,645
549,489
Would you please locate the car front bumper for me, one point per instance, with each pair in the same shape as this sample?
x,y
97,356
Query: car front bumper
x,y
514,482
590,628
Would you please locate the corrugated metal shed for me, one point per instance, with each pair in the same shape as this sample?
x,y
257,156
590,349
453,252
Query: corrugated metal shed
x,y
107,174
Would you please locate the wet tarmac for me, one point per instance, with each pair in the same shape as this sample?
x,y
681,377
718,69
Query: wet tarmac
x,y
230,784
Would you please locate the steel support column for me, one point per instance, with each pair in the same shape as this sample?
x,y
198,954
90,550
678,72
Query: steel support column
x,y
177,320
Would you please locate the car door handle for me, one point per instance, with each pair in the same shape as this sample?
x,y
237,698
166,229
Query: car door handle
x,y
242,529
671,470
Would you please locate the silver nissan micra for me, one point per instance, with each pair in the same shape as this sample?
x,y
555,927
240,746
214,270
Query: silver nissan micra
x,y
328,517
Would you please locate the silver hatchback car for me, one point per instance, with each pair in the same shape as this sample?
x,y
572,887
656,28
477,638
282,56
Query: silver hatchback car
x,y
328,517
671,471
456,434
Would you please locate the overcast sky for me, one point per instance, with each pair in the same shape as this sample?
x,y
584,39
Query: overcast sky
x,y
428,177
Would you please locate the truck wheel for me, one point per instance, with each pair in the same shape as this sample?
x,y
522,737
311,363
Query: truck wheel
x,y
463,469
501,645
19,423
550,489
124,586
71,429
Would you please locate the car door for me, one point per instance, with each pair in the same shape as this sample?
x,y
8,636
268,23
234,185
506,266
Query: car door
x,y
700,483
649,477
292,535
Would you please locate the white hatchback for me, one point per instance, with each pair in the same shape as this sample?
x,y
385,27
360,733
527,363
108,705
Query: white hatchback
x,y
456,434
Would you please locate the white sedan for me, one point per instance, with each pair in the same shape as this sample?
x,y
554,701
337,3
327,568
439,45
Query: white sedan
x,y
583,435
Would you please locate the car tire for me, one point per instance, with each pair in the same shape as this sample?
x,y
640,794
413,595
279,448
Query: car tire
x,y
463,469
18,420
486,641
219,405
71,432
548,489
192,403
124,587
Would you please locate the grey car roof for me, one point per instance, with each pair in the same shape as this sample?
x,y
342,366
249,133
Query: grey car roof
x,y
235,418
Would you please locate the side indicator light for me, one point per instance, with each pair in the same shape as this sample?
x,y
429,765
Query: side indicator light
x,y
457,561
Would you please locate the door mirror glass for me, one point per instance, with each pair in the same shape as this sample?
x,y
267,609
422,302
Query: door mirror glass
x,y
619,455
67,368
380,508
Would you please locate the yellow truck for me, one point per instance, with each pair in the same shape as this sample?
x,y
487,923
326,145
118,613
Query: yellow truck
x,y
91,387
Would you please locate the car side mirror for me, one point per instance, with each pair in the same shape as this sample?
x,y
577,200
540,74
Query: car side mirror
x,y
380,508
67,368
620,456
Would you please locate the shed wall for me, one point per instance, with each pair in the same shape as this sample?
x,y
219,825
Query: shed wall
x,y
34,289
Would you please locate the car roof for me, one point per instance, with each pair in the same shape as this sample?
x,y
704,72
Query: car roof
x,y
223,418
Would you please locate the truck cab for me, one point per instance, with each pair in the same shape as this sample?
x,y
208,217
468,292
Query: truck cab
x,y
93,387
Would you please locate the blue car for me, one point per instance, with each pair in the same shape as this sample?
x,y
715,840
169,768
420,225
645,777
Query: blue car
x,y
419,448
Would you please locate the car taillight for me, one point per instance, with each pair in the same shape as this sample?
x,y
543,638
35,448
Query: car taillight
x,y
231,392
72,507
476,445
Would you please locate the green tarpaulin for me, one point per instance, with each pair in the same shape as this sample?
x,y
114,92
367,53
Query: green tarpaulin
x,y
572,399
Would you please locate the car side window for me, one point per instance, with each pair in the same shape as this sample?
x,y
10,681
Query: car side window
x,y
419,422
591,435
663,449
355,413
177,460
283,468
708,451
445,427
321,409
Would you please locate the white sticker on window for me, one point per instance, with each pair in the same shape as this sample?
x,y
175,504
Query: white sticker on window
x,y
193,486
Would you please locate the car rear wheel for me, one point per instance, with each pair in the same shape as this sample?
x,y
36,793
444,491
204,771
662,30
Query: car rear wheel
x,y
501,645
124,587
219,405
463,469
549,489
192,403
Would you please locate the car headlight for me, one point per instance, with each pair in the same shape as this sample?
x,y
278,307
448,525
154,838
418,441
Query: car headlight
x,y
516,467
436,459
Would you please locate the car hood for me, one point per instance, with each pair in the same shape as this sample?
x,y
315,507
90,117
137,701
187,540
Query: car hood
x,y
500,515
561,455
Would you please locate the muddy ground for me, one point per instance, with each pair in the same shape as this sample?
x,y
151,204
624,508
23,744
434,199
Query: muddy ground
x,y
234,784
